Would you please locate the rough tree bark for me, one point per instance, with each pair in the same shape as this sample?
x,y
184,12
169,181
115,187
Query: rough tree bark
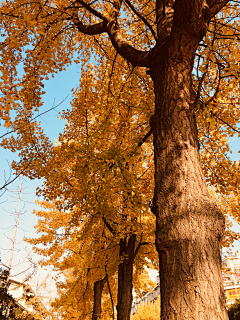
x,y
189,224
125,274
98,288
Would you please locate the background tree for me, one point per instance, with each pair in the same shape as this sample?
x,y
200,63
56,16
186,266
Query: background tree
x,y
104,184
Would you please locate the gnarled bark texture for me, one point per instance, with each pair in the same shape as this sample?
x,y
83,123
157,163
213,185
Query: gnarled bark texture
x,y
98,288
189,224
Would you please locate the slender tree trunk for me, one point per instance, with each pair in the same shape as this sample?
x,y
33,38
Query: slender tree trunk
x,y
125,274
98,288
189,224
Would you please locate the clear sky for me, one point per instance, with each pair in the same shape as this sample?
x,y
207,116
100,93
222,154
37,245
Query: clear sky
x,y
57,90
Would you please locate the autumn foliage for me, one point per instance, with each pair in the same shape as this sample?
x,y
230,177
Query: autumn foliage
x,y
99,174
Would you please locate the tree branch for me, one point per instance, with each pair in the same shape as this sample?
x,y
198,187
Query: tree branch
x,y
91,10
108,226
214,114
138,248
144,139
142,18
111,27
134,56
90,30
6,184
215,6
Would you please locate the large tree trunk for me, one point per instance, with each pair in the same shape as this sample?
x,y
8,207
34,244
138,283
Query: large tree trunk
x,y
98,288
125,274
189,224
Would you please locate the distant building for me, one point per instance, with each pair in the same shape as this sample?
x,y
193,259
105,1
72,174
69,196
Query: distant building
x,y
231,283
21,293
16,297
147,297
231,277
8,305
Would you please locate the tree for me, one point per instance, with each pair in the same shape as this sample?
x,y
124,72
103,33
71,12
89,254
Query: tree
x,y
109,187
163,37
114,245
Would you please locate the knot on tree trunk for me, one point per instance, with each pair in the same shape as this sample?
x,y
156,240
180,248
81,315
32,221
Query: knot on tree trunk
x,y
198,223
